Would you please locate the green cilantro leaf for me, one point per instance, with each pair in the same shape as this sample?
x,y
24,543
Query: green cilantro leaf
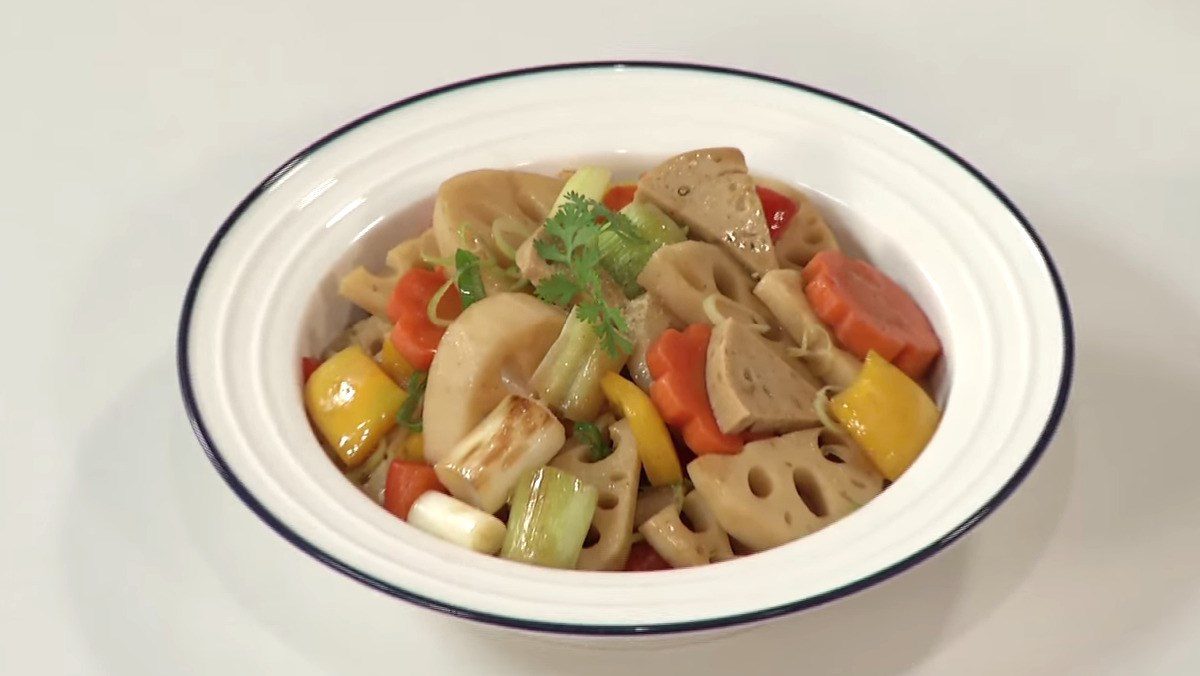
x,y
590,435
558,289
570,240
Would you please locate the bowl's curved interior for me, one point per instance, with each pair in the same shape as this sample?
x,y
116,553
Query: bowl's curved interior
x,y
268,295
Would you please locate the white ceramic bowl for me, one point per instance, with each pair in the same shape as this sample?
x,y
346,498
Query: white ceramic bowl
x,y
264,294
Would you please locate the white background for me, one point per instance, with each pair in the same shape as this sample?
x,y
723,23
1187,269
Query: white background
x,y
129,129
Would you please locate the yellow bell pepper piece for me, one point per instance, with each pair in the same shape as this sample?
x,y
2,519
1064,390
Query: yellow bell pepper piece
x,y
414,447
654,445
393,363
353,403
888,414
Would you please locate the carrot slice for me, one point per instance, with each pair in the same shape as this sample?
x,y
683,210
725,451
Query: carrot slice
x,y
868,311
407,481
677,362
415,337
620,196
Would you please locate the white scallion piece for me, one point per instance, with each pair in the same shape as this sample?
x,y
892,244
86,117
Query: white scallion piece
x,y
455,521
518,435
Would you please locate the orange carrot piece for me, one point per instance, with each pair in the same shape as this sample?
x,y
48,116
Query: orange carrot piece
x,y
415,337
677,363
407,481
868,311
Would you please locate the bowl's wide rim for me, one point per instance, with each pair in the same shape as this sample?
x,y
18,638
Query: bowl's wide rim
x,y
214,455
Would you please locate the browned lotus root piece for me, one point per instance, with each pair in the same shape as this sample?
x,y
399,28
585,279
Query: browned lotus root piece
x,y
367,333
367,290
682,275
370,291
408,253
468,205
682,546
780,489
616,481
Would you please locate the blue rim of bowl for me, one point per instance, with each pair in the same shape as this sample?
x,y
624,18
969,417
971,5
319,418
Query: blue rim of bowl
x,y
214,455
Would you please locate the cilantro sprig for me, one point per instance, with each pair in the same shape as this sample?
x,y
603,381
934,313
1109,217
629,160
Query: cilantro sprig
x,y
570,240
590,435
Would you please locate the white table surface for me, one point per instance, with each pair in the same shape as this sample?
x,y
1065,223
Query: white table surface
x,y
129,129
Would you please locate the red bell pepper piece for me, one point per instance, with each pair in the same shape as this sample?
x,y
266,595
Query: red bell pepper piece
x,y
307,366
778,209
620,196
642,557
407,481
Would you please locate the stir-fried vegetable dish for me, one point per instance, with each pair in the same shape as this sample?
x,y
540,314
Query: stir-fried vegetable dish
x,y
589,373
